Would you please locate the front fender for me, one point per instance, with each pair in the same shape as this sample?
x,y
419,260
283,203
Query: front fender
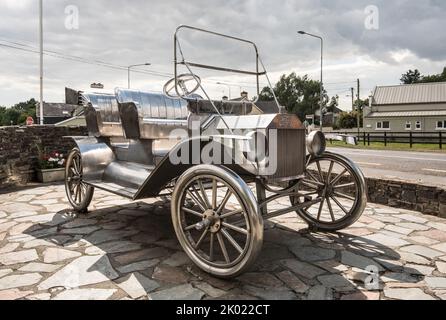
x,y
166,171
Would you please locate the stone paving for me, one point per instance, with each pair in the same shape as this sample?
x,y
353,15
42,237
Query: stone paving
x,y
125,250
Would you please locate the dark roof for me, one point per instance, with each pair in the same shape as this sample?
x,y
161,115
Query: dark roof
x,y
336,110
57,110
268,107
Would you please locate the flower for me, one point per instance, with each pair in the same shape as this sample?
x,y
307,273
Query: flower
x,y
51,160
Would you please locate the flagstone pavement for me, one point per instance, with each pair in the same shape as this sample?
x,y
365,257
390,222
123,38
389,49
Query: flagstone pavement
x,y
126,250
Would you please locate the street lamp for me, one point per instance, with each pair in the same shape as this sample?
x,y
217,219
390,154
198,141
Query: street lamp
x,y
322,75
42,121
229,88
135,65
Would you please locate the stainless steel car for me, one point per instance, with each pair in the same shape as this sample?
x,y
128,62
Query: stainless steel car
x,y
224,164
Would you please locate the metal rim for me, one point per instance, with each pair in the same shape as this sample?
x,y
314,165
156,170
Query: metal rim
x,y
214,222
77,190
237,214
337,188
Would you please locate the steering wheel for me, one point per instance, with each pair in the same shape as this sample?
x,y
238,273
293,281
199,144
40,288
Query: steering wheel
x,y
180,83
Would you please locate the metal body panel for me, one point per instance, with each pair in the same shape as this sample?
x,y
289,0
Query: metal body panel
x,y
263,121
126,174
96,156
158,115
166,171
103,108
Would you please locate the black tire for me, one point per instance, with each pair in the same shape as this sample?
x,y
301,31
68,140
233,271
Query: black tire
x,y
79,194
311,189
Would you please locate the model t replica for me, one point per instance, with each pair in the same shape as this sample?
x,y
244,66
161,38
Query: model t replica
x,y
224,164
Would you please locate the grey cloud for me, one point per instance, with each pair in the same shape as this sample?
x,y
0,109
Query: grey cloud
x,y
126,32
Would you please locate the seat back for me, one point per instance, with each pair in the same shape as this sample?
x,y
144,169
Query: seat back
x,y
158,115
128,112
102,115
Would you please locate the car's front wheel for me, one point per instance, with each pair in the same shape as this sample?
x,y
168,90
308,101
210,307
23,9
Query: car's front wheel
x,y
336,191
217,220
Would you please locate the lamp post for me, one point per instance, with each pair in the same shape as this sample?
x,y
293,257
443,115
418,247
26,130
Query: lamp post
x,y
322,74
41,60
229,88
135,65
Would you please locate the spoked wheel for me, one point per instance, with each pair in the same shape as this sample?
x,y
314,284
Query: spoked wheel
x,y
216,220
335,189
79,194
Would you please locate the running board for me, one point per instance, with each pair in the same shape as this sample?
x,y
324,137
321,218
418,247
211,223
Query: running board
x,y
122,178
125,192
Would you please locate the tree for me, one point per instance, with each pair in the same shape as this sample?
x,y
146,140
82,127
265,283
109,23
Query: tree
x,y
334,103
361,104
411,77
18,113
10,117
347,120
435,78
266,94
299,95
2,114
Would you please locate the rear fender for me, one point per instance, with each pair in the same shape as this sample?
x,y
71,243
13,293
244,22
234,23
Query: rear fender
x,y
96,156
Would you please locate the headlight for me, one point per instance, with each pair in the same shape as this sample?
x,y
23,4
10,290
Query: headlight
x,y
316,143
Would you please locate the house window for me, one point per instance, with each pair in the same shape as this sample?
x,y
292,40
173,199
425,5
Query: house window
x,y
441,125
383,125
408,125
418,125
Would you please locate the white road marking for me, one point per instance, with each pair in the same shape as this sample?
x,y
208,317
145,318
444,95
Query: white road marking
x,y
434,170
368,164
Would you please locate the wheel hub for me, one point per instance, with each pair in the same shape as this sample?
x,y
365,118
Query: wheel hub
x,y
211,220
329,190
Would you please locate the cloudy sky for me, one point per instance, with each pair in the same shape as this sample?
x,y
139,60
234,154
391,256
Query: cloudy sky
x,y
408,34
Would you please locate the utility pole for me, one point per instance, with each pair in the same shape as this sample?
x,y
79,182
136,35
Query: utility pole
x,y
41,59
358,108
353,98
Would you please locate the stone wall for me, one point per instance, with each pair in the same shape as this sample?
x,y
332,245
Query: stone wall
x,y
426,199
19,150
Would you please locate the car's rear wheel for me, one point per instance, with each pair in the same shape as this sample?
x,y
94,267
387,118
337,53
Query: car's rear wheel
x,y
79,194
336,191
217,220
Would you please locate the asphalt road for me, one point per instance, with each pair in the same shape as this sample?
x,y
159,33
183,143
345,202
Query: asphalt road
x,y
418,167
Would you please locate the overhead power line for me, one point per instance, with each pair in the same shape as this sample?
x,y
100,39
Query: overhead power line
x,y
54,54
16,45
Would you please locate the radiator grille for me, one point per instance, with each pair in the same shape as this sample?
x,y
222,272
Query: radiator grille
x,y
291,154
